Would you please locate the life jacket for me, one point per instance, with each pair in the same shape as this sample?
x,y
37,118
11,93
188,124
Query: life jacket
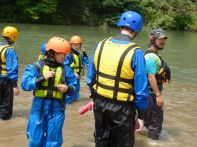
x,y
77,65
3,68
164,72
48,88
114,75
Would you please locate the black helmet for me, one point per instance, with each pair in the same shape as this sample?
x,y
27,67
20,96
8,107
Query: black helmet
x,y
157,34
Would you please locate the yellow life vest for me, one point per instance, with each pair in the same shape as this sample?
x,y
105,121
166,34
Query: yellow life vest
x,y
3,69
114,75
77,64
49,88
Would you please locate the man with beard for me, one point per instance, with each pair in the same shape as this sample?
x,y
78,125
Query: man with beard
x,y
158,74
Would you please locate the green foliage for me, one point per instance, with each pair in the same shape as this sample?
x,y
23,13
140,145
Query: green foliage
x,y
112,9
35,9
170,14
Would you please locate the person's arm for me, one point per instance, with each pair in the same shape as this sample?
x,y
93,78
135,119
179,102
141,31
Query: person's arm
x,y
71,80
12,66
153,83
30,79
140,86
151,64
85,59
12,69
90,79
140,80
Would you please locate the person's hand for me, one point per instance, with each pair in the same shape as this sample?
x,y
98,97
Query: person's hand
x,y
49,74
82,49
62,88
166,82
76,75
139,125
159,100
16,91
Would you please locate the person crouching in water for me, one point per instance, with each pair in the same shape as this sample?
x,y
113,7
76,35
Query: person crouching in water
x,y
77,62
50,81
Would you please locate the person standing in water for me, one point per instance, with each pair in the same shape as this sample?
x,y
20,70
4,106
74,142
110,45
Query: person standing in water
x,y
8,72
158,74
50,81
118,76
77,62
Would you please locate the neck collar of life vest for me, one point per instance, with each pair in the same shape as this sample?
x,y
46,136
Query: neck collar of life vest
x,y
74,51
52,63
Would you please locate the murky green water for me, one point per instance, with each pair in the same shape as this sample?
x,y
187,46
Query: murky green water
x,y
180,96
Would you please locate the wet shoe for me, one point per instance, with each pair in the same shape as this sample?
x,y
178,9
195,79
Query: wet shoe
x,y
4,115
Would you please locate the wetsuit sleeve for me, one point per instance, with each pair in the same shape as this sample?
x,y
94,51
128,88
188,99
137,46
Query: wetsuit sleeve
x,y
12,66
90,79
28,81
91,75
70,79
140,81
69,60
85,59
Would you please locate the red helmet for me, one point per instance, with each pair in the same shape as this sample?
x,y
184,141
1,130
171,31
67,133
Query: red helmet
x,y
59,45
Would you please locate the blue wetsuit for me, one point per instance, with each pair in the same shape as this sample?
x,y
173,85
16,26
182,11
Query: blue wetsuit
x,y
47,115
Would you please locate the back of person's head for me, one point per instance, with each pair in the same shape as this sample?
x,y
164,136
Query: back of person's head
x,y
10,34
131,20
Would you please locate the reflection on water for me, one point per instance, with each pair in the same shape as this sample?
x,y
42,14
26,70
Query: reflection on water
x,y
179,129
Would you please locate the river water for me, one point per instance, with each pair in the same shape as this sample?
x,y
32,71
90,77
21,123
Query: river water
x,y
179,128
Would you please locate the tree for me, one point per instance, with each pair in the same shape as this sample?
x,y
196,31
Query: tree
x,y
35,10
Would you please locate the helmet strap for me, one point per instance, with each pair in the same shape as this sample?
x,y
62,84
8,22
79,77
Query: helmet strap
x,y
8,40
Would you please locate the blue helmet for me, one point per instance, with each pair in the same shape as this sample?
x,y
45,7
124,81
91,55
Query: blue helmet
x,y
132,20
43,48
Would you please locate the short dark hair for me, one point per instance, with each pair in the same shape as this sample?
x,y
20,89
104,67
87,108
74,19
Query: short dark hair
x,y
50,54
